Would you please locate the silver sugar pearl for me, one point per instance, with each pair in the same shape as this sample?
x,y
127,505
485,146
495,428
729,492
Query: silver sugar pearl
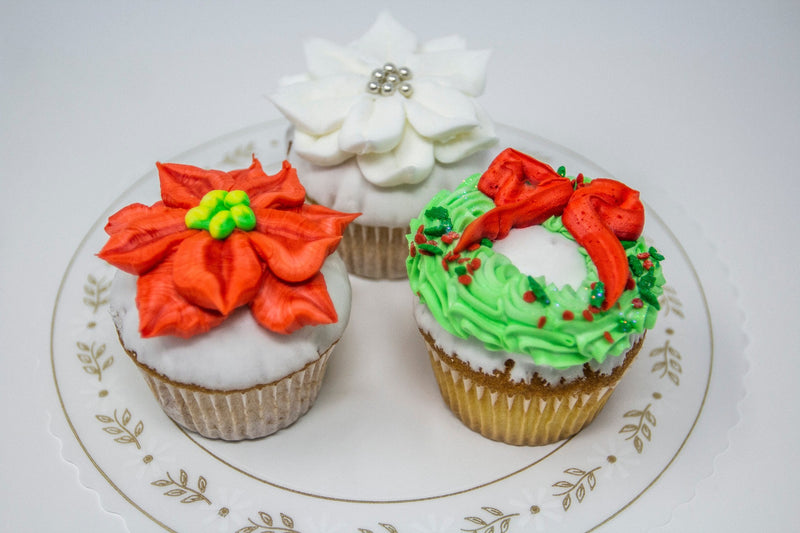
x,y
405,73
389,67
392,78
378,74
387,89
406,89
373,87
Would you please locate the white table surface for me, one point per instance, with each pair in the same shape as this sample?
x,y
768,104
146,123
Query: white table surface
x,y
702,98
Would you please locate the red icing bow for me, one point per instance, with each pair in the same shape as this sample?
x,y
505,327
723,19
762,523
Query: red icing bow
x,y
599,214
190,282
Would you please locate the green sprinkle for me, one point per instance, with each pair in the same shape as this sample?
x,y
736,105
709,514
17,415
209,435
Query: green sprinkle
x,y
649,297
538,291
486,242
221,225
655,255
435,250
438,212
461,270
236,197
198,217
636,265
648,280
562,171
243,216
214,200
628,244
437,231
598,294
625,325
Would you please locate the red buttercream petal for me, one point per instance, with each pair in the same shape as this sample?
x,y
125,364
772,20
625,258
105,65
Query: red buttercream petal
x,y
598,216
295,243
163,311
219,275
525,191
185,185
141,236
282,189
332,222
285,307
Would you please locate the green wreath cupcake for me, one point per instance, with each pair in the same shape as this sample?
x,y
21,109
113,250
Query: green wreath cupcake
x,y
535,292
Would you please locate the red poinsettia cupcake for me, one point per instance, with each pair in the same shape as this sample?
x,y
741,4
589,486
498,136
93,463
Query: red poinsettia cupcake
x,y
230,297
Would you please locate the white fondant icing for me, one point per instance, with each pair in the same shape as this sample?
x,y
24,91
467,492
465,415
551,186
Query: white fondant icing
x,y
238,353
395,148
536,251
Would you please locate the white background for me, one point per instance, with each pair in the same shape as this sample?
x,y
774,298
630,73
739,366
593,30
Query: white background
x,y
702,98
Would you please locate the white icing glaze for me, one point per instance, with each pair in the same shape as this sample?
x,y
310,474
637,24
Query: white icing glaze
x,y
238,353
392,141
343,188
538,252
474,353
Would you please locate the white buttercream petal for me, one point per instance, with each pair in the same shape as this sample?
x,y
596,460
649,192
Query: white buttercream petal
x,y
464,70
411,162
469,142
438,112
373,125
325,58
320,150
318,107
450,42
386,40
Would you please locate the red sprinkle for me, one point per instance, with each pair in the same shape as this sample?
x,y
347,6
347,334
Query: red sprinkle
x,y
412,251
450,256
542,322
647,264
464,279
445,266
608,337
643,255
594,309
474,246
529,297
587,315
419,238
637,303
420,228
568,315
630,285
463,260
594,284
449,237
475,263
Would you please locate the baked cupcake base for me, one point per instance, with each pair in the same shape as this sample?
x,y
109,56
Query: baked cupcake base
x,y
522,413
250,413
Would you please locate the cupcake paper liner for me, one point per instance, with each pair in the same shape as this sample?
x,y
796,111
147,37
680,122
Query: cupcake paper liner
x,y
250,413
518,413
377,252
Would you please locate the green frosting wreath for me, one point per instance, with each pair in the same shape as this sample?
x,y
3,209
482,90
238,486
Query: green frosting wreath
x,y
481,294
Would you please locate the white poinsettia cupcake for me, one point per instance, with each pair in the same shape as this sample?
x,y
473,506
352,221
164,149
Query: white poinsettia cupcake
x,y
382,124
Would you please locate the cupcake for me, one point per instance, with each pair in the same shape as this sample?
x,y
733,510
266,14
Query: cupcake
x,y
379,126
230,296
535,292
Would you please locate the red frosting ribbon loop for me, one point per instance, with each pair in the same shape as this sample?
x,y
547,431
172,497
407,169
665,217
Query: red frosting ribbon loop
x,y
598,215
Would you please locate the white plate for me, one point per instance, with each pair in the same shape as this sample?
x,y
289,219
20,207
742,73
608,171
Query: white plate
x,y
379,452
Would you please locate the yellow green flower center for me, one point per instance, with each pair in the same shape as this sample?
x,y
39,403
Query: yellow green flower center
x,y
221,212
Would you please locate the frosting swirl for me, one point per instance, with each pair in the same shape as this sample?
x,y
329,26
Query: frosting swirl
x,y
489,299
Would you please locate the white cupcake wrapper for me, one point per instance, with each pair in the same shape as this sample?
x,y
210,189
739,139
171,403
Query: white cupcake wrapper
x,y
243,414
377,252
